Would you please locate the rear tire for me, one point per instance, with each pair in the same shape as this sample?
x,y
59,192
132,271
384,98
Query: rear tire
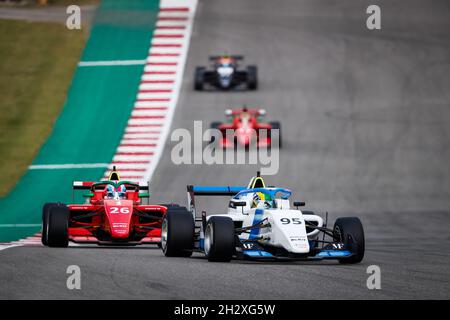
x,y
177,233
350,231
252,77
219,239
214,125
199,78
58,226
277,125
45,213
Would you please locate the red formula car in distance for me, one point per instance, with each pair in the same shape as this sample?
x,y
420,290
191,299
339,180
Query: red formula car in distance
x,y
248,126
113,215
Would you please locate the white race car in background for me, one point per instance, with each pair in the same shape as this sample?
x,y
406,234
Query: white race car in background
x,y
259,224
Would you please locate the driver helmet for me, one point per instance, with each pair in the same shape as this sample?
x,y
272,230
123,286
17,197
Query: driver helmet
x,y
262,201
109,192
225,61
122,192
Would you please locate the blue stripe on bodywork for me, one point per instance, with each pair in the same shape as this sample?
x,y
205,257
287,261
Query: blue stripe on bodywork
x,y
256,219
257,253
216,189
333,253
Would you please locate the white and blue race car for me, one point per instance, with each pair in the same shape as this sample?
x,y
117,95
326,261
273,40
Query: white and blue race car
x,y
260,224
226,74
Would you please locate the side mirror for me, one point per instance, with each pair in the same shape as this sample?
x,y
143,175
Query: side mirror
x,y
299,204
241,204
88,195
144,195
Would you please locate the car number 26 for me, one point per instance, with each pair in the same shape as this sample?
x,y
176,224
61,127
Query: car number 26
x,y
293,221
123,210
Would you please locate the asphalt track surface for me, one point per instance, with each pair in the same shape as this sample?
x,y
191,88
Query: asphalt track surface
x,y
366,129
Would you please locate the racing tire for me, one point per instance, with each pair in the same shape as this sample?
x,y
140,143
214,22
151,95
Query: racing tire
x,y
277,125
215,125
350,231
177,233
199,78
45,213
252,77
219,242
58,226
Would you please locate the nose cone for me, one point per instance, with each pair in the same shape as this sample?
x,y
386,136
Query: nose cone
x,y
290,236
244,136
118,214
244,139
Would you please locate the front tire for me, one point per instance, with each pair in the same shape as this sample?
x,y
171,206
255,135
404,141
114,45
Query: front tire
x,y
252,77
45,214
219,239
58,226
177,233
350,231
276,125
199,78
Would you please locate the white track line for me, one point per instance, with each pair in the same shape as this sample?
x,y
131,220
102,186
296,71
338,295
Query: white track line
x,y
175,41
110,63
155,86
19,225
165,23
153,77
8,246
143,112
34,240
161,50
162,59
160,67
67,166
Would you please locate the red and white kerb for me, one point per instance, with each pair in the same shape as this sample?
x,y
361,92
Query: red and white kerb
x,y
143,141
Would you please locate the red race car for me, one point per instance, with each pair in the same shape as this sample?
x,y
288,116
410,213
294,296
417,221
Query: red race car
x,y
113,215
248,127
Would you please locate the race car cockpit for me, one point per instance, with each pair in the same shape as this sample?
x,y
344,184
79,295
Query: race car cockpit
x,y
262,201
263,198
115,193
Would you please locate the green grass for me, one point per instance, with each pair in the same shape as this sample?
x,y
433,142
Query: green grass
x,y
34,3
69,2
37,61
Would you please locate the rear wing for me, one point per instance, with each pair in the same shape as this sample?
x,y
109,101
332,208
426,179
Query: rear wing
x,y
82,185
193,191
87,185
214,190
236,57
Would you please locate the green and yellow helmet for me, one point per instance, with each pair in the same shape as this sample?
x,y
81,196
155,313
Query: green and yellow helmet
x,y
261,197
